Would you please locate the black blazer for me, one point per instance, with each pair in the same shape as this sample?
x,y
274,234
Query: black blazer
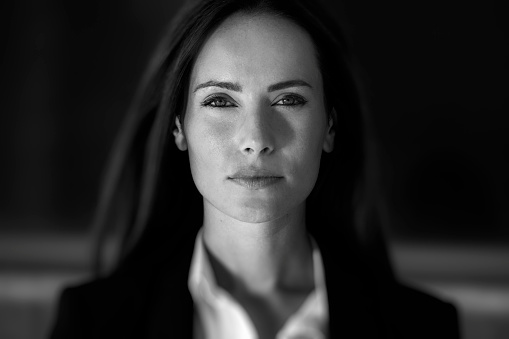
x,y
153,301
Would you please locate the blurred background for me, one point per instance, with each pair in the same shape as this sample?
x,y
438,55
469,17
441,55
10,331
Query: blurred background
x,y
438,74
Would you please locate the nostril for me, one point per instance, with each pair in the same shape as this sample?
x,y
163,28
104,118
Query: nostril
x,y
264,150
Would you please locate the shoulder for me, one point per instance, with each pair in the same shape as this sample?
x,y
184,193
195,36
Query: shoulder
x,y
103,294
416,314
99,304
138,302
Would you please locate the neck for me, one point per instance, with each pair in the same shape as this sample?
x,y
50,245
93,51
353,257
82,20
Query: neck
x,y
259,258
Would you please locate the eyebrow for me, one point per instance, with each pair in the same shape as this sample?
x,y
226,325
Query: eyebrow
x,y
237,88
287,84
222,84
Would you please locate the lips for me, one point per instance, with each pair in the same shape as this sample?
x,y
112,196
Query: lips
x,y
256,183
255,179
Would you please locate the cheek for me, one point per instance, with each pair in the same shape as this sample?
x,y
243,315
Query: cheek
x,y
206,139
312,134
310,138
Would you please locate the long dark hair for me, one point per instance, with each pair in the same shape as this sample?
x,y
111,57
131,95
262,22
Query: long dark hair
x,y
149,197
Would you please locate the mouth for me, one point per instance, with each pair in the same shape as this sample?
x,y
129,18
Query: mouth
x,y
254,178
255,182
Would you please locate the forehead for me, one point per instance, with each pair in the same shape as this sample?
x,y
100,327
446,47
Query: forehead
x,y
261,49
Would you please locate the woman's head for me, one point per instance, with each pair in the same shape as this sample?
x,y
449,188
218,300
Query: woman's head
x,y
163,190
255,123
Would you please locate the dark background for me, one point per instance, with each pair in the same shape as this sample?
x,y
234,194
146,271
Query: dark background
x,y
438,76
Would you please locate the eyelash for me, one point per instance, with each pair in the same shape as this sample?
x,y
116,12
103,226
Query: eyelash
x,y
213,99
209,102
298,100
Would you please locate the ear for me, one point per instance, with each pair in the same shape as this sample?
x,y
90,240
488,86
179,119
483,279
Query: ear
x,y
178,133
328,142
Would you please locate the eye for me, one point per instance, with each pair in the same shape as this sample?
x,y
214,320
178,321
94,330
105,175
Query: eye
x,y
217,101
291,100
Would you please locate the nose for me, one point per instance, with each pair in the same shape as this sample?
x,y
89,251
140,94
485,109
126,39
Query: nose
x,y
256,134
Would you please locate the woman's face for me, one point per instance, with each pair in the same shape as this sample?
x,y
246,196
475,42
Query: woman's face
x,y
255,124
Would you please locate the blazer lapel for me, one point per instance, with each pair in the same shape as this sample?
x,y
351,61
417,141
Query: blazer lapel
x,y
171,311
353,303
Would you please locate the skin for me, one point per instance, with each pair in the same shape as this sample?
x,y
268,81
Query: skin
x,y
256,236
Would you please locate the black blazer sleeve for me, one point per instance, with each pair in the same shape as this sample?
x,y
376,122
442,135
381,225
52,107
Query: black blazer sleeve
x,y
73,317
128,307
419,315
106,308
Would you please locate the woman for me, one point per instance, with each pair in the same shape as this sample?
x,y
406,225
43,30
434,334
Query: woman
x,y
244,212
